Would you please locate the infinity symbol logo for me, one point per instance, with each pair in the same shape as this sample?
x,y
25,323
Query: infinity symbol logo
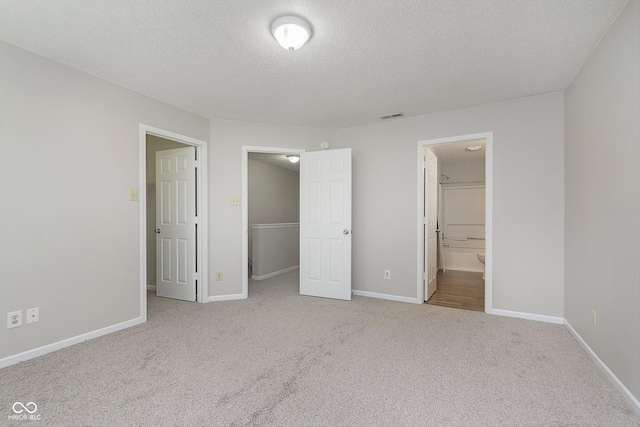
x,y
29,407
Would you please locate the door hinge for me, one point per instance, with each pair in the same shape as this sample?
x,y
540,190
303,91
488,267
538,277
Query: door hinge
x,y
196,163
195,220
196,275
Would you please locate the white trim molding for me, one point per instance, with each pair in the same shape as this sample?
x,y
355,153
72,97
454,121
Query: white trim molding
x,y
387,297
275,273
277,225
605,369
527,316
231,297
49,348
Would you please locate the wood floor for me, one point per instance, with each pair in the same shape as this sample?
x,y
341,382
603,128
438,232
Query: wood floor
x,y
459,289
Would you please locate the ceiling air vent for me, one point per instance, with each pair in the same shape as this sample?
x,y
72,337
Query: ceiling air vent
x,y
392,116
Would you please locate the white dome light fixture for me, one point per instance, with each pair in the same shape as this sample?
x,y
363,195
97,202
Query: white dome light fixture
x,y
293,158
291,32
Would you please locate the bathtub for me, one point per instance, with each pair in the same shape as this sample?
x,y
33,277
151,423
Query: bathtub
x,y
462,259
463,227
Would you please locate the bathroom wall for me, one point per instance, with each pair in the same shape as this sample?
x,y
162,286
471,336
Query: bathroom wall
x,y
462,213
463,226
463,171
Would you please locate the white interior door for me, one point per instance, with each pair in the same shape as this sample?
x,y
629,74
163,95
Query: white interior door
x,y
325,224
431,223
176,224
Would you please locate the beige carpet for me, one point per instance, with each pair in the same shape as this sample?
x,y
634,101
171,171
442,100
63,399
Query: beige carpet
x,y
285,360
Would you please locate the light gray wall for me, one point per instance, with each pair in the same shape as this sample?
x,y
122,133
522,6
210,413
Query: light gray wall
x,y
462,171
274,196
276,249
602,239
225,181
70,237
528,208
154,144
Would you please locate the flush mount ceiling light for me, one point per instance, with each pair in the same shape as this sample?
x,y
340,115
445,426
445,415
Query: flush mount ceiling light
x,y
291,32
293,158
474,148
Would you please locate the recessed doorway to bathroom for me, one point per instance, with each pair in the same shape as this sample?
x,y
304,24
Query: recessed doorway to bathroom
x,y
454,224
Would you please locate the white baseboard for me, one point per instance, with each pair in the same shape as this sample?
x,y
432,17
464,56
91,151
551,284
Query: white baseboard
x,y
605,369
226,297
151,287
275,273
527,316
387,297
40,351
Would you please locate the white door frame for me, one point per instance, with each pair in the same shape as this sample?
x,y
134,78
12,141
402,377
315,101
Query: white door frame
x,y
430,173
201,206
246,149
488,267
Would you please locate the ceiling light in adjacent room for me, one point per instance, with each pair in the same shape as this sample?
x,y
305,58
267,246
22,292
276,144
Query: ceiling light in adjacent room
x,y
291,32
474,148
293,158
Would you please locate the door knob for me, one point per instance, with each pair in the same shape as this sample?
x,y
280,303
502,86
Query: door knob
x,y
157,230
345,231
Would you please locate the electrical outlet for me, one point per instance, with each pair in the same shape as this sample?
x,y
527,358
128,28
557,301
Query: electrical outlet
x,y
14,319
235,201
133,194
387,274
593,317
218,275
33,315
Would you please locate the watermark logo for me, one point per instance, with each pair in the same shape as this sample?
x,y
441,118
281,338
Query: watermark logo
x,y
23,411
30,407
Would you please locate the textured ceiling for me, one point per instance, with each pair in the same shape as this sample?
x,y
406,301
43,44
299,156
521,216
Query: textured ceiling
x,y
454,152
366,58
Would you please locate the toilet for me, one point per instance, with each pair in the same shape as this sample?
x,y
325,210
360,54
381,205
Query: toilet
x,y
481,259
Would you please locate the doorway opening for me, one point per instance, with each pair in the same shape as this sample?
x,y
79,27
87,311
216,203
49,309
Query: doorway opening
x,y
270,213
154,140
455,211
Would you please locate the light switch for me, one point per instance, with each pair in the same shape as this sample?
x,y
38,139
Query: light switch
x,y
235,201
133,194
